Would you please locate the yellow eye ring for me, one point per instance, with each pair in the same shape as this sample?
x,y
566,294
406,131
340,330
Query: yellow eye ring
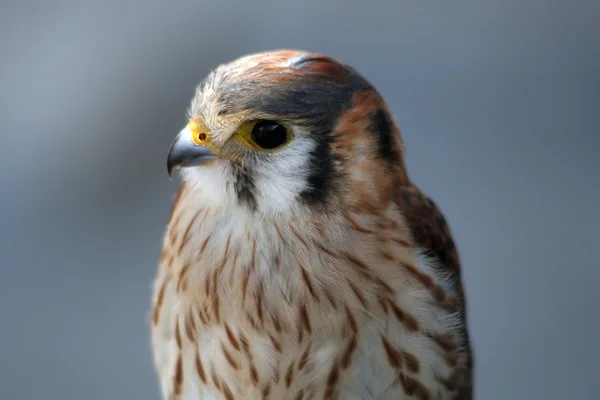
x,y
265,135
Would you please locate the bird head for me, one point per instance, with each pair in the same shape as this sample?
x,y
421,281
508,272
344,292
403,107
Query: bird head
x,y
286,131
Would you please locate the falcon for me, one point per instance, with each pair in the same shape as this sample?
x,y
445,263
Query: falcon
x,y
299,260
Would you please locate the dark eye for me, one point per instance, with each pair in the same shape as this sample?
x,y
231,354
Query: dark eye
x,y
269,134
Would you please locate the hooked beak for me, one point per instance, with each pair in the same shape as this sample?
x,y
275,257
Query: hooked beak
x,y
189,149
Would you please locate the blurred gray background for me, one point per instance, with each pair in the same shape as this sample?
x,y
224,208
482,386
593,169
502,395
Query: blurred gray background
x,y
499,106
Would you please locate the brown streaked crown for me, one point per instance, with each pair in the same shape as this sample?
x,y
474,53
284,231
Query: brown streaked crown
x,y
285,84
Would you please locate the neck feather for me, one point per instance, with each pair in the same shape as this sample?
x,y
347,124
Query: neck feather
x,y
267,271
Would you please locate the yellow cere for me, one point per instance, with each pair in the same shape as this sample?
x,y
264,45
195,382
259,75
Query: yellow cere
x,y
199,132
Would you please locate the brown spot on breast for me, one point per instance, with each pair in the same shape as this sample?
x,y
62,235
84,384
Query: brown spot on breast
x,y
409,322
276,375
176,199
451,358
436,291
236,255
393,355
332,380
203,316
305,318
452,381
219,270
234,342
232,362
186,234
444,340
276,323
245,280
300,332
351,321
304,358
207,287
215,379
326,250
275,343
174,230
412,387
259,306
204,244
412,362
227,392
408,384
163,255
245,345
331,300
178,376
289,375
348,351
217,307
190,326
387,256
387,289
177,334
448,347
253,262
248,352
254,375
266,391
383,303
355,261
200,368
307,282
159,301
181,278
277,262
358,294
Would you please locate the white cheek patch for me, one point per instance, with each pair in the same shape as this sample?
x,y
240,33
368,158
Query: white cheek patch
x,y
278,179
212,184
283,177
